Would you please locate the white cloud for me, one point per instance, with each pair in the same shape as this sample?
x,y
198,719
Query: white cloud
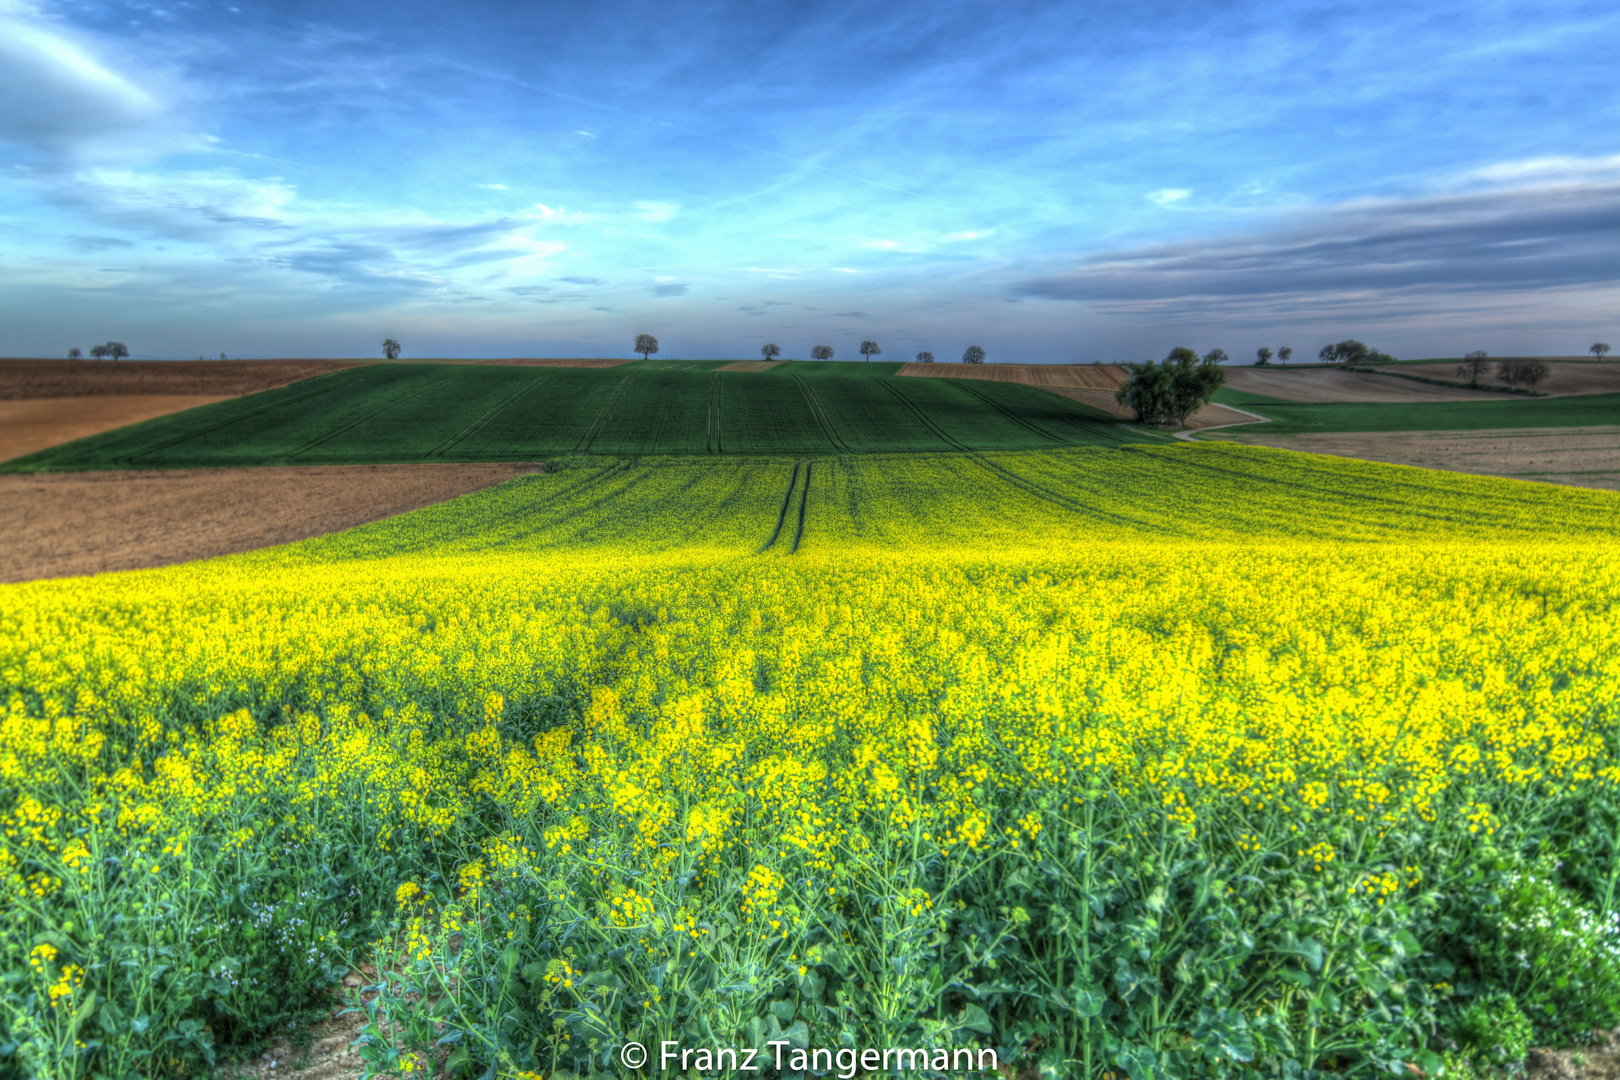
x,y
492,187
951,238
1167,196
1552,169
846,270
58,97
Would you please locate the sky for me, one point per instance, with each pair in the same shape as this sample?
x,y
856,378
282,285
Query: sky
x,y
1052,181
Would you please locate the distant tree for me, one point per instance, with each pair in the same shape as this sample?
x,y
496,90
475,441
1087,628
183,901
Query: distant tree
x,y
821,352
973,355
98,352
1599,350
1286,353
870,349
1514,372
1474,365
925,357
1376,357
390,349
1263,357
75,354
116,350
1349,351
222,355
646,345
1172,390
769,352
1216,356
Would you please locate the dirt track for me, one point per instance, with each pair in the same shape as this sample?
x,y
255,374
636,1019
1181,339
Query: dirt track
x,y
1577,456
37,423
63,524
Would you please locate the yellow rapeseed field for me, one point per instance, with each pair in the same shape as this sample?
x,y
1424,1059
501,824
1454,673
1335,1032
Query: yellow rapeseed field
x,y
1172,762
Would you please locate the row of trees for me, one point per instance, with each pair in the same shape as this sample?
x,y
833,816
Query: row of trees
x,y
647,345
113,350
1173,389
1513,371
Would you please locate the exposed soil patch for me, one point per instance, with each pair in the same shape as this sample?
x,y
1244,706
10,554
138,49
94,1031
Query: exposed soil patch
x,y
1565,378
1046,376
23,379
37,423
63,524
748,365
1321,385
558,363
1577,456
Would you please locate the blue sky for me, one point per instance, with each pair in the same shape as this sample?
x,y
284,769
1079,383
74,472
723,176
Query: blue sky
x,y
1051,181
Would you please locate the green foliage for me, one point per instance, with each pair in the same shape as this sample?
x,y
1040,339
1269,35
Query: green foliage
x,y
1171,391
1493,1033
1558,957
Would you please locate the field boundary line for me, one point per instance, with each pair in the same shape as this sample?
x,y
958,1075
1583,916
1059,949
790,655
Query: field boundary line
x,y
489,414
342,429
821,418
787,500
804,505
599,421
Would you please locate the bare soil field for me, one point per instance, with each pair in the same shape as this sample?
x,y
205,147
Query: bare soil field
x,y
24,379
1577,456
748,365
557,363
1321,385
1046,376
64,524
1566,378
38,423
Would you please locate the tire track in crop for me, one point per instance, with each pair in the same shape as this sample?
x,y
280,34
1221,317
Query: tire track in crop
x,y
924,419
804,505
820,414
471,429
341,429
959,384
237,418
603,414
781,517
711,433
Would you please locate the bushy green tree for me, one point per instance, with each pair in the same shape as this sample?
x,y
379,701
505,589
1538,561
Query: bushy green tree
x,y
390,349
1172,390
646,345
1263,357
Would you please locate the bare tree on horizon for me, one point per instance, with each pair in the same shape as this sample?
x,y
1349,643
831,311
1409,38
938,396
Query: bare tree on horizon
x,y
870,349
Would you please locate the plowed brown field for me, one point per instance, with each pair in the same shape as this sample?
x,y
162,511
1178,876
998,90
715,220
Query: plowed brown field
x,y
1577,456
1565,378
22,379
62,524
559,363
38,423
1320,385
1046,376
